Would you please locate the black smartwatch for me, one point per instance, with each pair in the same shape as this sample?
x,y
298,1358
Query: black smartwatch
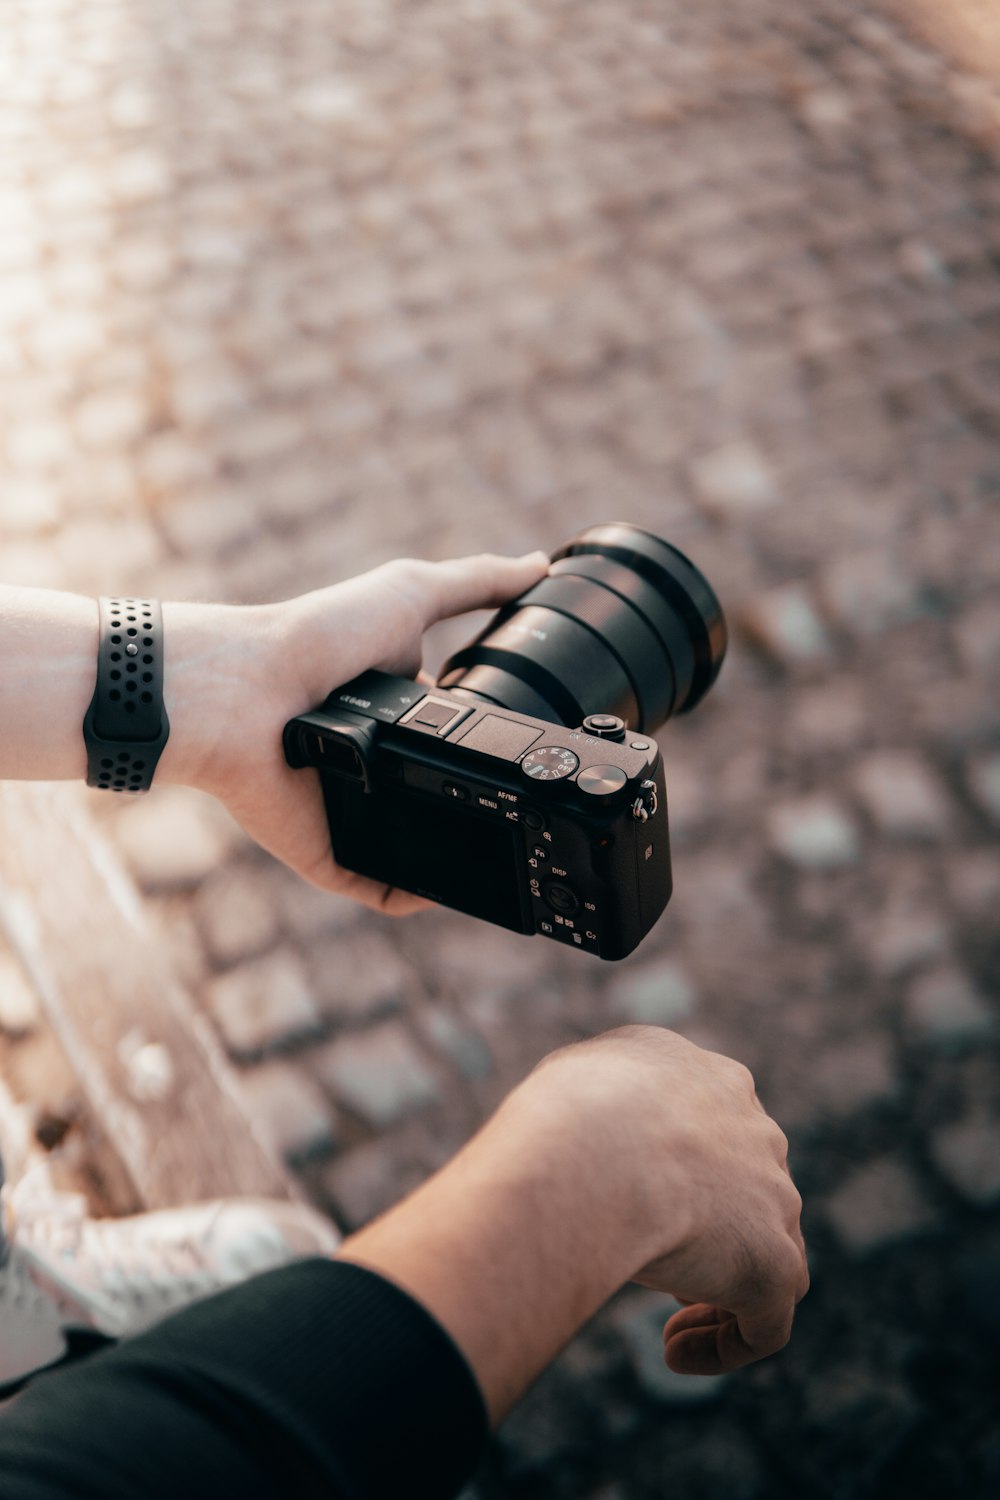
x,y
126,728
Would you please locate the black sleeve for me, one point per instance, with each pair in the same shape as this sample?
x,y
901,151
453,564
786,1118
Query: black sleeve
x,y
318,1381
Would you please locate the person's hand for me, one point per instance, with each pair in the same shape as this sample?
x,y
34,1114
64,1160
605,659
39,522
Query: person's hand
x,y
713,1205
633,1156
236,675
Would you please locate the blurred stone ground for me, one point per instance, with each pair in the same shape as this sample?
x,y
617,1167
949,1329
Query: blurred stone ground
x,y
289,291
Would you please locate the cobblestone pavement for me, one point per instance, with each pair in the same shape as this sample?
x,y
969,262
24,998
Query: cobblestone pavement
x,y
290,290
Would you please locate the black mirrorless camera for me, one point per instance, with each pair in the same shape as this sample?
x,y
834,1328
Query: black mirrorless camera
x,y
526,787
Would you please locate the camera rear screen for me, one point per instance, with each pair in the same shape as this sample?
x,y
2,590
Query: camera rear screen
x,y
424,845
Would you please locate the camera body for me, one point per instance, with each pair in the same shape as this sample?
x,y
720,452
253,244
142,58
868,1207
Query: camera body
x,y
525,823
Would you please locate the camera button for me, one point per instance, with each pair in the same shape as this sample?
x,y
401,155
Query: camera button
x,y
452,789
434,713
562,898
435,716
601,781
532,819
549,763
540,851
605,726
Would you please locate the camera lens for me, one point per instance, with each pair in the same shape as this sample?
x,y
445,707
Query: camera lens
x,y
623,624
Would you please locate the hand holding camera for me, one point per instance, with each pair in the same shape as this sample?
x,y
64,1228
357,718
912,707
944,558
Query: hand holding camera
x,y
526,789
532,756
236,674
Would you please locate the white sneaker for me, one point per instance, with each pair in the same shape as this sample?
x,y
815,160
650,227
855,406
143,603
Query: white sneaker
x,y
67,1279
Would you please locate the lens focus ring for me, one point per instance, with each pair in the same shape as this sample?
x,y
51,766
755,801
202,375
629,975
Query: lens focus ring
x,y
623,625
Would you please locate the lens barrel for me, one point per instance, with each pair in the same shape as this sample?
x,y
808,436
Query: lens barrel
x,y
622,624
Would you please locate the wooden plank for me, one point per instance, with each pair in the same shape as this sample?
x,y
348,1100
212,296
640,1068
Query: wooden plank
x,y
149,1065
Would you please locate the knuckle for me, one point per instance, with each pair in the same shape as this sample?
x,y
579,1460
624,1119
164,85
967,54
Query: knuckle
x,y
789,1200
405,570
795,1203
407,582
778,1141
741,1075
794,1269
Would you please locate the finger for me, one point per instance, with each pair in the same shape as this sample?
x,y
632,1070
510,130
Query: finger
x,y
705,1339
387,899
693,1315
756,1320
712,1349
459,584
390,900
691,1339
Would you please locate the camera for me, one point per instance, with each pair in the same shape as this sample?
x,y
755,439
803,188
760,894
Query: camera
x,y
525,788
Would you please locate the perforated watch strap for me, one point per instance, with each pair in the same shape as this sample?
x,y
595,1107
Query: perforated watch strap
x,y
126,728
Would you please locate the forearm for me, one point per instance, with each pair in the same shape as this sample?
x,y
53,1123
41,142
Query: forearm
x,y
512,1247
233,676
48,667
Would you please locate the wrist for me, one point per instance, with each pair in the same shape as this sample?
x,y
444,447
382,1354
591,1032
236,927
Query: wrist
x,y
220,660
609,1091
514,1245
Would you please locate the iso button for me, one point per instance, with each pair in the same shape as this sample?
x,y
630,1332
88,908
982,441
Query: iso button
x,y
601,781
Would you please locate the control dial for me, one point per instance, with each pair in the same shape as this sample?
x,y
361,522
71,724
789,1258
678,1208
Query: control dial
x,y
605,726
549,763
601,781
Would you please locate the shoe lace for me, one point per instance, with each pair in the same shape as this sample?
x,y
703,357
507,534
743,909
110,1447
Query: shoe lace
x,y
105,1263
18,1289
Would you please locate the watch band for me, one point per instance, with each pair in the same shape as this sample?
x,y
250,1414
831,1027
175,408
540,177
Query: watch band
x,y
126,727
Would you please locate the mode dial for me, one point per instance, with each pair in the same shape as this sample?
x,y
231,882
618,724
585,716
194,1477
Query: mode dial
x,y
549,763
